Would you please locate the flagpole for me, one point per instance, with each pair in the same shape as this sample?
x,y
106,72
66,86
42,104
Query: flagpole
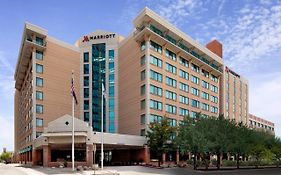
x,y
72,125
102,125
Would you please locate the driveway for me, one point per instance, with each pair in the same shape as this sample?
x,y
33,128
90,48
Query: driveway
x,y
138,170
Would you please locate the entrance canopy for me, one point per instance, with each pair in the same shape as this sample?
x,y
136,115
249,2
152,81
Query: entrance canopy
x,y
59,131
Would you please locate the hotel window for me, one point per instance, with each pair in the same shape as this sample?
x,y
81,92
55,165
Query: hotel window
x,y
205,84
39,95
86,116
195,91
214,99
156,47
183,74
214,109
205,73
111,103
195,103
184,87
184,100
155,118
39,122
86,104
156,30
86,81
86,68
142,60
171,39
142,104
38,134
171,95
195,79
205,106
39,41
143,75
111,55
142,132
214,88
86,92
111,91
173,122
155,61
194,67
171,68
39,68
205,95
39,109
214,78
142,45
156,105
111,67
183,62
39,55
143,89
142,119
86,57
155,90
171,55
39,82
183,112
111,79
193,114
171,109
171,82
155,76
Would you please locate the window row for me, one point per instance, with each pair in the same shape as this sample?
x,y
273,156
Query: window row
x,y
171,55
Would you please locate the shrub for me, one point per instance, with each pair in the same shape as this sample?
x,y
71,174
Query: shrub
x,y
189,162
228,163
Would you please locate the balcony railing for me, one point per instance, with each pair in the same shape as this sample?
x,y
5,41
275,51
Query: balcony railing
x,y
180,45
36,42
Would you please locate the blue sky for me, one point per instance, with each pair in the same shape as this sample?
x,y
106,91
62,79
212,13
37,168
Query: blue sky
x,y
250,31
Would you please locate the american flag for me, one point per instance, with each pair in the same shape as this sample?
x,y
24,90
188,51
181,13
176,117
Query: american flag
x,y
73,91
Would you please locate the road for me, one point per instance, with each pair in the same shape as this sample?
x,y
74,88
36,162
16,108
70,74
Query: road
x,y
137,170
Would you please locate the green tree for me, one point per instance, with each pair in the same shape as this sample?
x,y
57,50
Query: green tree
x,y
241,137
6,156
276,150
220,137
160,137
192,138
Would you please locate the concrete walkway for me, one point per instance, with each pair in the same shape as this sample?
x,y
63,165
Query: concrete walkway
x,y
37,170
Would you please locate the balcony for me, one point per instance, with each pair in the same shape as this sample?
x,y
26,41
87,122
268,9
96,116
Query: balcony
x,y
38,43
179,45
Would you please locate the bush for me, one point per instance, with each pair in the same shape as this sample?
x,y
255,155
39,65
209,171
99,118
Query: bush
x,y
214,161
189,162
228,163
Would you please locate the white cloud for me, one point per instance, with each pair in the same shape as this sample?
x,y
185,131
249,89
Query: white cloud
x,y
177,11
265,97
256,33
220,7
7,133
6,86
4,63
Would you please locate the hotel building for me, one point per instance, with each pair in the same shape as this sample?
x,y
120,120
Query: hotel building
x,y
166,73
261,124
156,71
99,62
42,77
43,102
234,96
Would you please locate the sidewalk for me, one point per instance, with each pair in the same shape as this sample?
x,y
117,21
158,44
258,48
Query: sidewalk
x,y
37,170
